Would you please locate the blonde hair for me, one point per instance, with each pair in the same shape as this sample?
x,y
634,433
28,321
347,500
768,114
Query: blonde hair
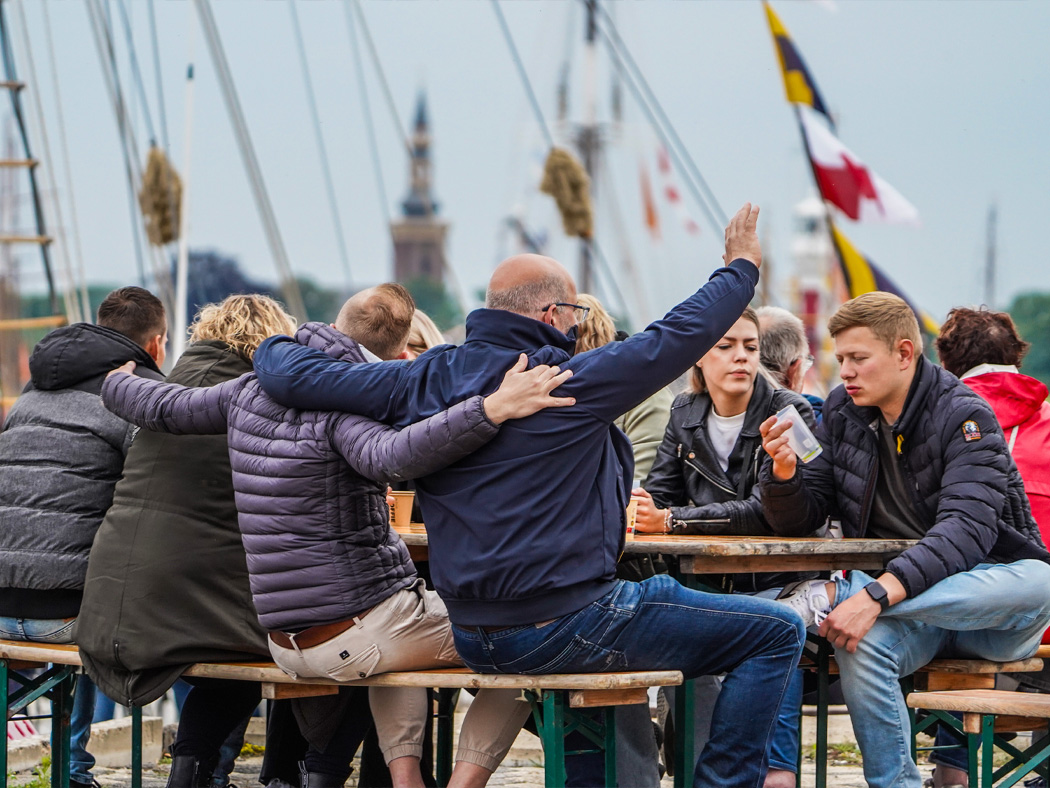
x,y
424,333
696,380
598,329
889,317
242,322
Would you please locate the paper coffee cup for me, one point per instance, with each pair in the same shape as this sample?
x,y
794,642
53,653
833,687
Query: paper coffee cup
x,y
632,514
800,438
401,511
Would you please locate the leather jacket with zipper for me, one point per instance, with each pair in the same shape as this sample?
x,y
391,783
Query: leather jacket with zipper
x,y
687,477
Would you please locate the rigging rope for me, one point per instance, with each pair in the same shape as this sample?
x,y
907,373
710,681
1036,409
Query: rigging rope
x,y
366,106
69,295
391,105
292,295
522,74
85,304
157,74
136,72
326,169
629,69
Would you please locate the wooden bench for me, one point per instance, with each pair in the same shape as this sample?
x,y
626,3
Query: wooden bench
x,y
554,700
937,675
985,712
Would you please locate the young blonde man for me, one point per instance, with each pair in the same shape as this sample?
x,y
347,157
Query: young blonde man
x,y
909,453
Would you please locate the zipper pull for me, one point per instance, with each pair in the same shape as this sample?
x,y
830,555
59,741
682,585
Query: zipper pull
x,y
900,441
679,451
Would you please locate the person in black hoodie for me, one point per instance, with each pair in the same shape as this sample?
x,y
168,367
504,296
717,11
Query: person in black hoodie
x,y
61,454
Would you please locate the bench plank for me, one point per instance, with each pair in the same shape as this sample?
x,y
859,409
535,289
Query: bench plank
x,y
959,666
1023,704
589,699
271,691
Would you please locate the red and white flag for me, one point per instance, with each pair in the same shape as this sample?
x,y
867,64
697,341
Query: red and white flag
x,y
847,182
671,193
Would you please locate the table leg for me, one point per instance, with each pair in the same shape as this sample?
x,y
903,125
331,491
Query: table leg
x,y
553,738
61,709
684,754
136,747
3,716
609,714
444,735
823,701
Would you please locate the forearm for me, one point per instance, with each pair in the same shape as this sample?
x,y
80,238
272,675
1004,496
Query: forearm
x,y
166,407
385,454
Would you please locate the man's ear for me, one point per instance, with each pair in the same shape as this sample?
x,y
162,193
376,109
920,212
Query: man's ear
x,y
405,355
155,347
905,353
794,375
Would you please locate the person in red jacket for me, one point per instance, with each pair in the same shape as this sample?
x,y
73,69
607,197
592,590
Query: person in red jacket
x,y
984,350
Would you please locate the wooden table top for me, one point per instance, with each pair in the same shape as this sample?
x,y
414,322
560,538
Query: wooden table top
x,y
727,554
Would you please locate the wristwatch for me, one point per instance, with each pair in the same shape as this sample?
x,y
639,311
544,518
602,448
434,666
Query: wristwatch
x,y
877,592
668,522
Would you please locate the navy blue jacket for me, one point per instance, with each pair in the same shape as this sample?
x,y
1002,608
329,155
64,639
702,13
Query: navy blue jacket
x,y
968,492
529,527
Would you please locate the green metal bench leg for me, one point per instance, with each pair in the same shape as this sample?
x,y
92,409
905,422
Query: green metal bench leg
x,y
553,737
684,754
61,710
983,742
611,778
3,716
136,747
444,735
823,701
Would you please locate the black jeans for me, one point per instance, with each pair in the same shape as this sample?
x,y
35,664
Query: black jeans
x,y
212,709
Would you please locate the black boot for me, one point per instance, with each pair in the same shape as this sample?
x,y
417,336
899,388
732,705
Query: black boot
x,y
319,780
185,772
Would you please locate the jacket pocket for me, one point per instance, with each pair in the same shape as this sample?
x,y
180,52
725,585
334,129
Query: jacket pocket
x,y
357,666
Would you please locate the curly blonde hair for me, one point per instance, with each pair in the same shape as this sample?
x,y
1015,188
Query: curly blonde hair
x,y
242,322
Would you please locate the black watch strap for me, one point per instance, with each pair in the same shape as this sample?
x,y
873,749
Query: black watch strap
x,y
877,592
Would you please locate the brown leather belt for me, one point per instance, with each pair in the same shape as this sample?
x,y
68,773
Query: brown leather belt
x,y
315,636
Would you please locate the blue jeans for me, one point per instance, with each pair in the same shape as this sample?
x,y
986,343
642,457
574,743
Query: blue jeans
x,y
997,612
660,625
61,631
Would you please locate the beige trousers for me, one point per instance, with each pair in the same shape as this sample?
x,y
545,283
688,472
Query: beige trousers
x,y
409,631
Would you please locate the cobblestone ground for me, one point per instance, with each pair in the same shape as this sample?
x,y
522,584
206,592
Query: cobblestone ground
x,y
246,774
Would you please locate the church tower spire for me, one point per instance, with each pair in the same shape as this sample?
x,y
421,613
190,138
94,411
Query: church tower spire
x,y
419,236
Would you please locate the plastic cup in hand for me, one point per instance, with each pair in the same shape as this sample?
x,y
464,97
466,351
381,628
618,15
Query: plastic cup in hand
x,y
632,515
800,438
401,511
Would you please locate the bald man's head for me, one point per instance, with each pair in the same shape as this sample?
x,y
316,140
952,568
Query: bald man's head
x,y
528,283
379,318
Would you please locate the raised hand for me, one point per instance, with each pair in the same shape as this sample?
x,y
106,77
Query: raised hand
x,y
742,236
775,442
523,393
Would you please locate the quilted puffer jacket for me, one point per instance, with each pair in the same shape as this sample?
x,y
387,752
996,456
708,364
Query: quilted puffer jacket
x,y
953,454
314,523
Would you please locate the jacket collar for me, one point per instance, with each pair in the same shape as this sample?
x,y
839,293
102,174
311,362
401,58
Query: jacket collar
x,y
517,332
757,408
321,336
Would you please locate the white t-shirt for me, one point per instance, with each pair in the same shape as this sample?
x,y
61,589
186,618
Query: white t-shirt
x,y
723,432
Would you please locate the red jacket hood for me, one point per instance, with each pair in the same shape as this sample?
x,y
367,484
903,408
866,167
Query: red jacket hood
x,y
1014,397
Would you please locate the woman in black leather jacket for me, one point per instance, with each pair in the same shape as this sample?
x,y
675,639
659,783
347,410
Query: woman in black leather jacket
x,y
704,480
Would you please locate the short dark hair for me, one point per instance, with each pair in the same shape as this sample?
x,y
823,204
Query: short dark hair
x,y
970,337
379,319
134,312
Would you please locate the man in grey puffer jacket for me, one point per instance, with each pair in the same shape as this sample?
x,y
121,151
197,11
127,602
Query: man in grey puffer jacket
x,y
330,579
61,455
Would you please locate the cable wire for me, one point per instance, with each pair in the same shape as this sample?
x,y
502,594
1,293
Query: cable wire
x,y
522,73
157,74
638,84
326,169
391,104
136,72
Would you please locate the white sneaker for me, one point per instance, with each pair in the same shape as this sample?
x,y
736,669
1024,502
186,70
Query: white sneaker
x,y
809,599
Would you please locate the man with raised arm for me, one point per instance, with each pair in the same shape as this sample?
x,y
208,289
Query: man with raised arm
x,y
910,452
525,533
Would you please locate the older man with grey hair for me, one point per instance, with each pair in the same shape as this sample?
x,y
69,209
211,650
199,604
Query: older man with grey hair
x,y
784,351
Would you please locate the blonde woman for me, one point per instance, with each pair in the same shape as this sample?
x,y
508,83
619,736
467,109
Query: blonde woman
x,y
423,335
167,584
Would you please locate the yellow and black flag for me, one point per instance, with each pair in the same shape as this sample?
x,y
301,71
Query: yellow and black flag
x,y
798,84
863,276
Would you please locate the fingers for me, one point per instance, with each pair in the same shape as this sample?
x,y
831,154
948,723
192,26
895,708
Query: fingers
x,y
639,492
739,220
127,368
556,379
520,364
751,222
560,402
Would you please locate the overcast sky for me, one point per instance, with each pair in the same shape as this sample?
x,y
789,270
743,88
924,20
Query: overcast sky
x,y
950,103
